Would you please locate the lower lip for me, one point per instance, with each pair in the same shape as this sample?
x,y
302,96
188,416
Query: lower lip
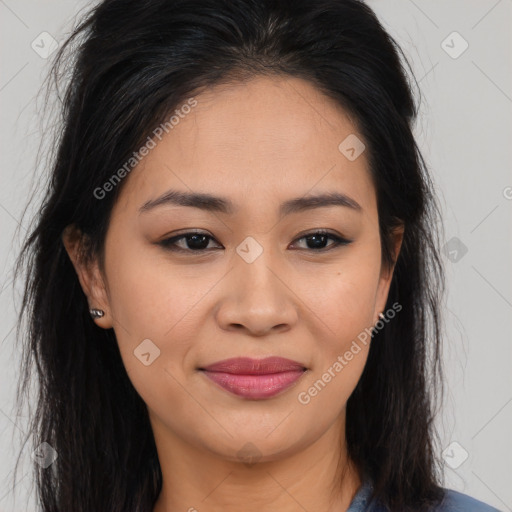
x,y
255,387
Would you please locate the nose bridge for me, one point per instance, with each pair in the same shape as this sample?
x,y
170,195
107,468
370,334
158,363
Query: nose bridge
x,y
256,296
256,269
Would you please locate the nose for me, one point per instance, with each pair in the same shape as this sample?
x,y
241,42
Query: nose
x,y
256,298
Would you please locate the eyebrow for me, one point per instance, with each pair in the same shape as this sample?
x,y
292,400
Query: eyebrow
x,y
218,204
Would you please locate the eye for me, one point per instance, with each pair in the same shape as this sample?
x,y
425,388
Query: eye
x,y
198,242
317,241
190,242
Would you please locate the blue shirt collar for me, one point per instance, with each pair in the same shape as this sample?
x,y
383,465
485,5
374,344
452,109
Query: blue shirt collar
x,y
361,501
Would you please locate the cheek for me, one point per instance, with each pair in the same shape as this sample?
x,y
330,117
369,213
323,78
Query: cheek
x,y
342,341
343,295
344,301
150,297
156,325
160,302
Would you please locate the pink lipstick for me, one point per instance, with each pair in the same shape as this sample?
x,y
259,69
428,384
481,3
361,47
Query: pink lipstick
x,y
255,379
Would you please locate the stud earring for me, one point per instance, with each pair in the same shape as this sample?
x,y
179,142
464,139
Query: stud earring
x,y
374,328
96,313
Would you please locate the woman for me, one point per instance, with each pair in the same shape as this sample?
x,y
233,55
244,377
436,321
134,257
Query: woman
x,y
233,285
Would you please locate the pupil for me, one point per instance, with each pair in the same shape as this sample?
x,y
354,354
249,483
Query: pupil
x,y
317,238
197,241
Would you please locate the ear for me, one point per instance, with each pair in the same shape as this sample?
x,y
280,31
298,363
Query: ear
x,y
386,273
89,274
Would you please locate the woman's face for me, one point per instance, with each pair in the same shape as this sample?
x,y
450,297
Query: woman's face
x,y
259,283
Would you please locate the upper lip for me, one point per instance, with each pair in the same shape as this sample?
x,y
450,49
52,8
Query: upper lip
x,y
249,366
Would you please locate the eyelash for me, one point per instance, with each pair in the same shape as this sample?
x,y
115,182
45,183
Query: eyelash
x,y
169,243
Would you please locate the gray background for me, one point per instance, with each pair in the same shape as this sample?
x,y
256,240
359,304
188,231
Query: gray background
x,y
464,131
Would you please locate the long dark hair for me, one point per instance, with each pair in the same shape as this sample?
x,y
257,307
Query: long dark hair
x,y
126,67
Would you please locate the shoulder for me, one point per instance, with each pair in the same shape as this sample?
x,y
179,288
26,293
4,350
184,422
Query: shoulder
x,y
455,501
452,501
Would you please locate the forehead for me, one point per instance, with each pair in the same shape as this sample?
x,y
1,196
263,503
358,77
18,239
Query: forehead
x,y
264,138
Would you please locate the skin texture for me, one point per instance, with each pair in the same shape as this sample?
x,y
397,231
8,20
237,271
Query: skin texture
x,y
257,143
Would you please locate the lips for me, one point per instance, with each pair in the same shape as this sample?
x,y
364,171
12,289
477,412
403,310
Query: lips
x,y
249,366
255,378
